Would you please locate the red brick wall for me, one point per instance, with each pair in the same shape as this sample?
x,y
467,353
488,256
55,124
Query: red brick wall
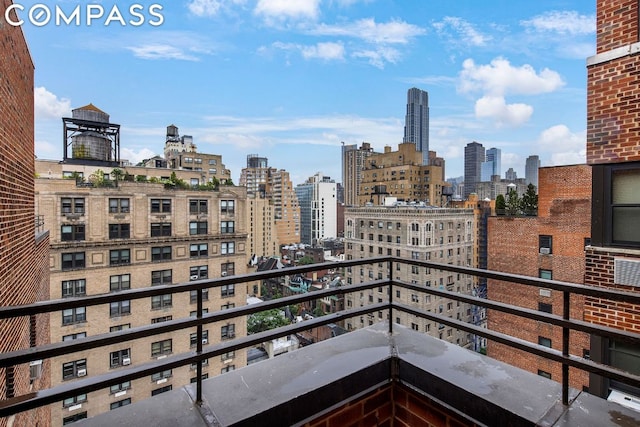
x,y
391,405
612,87
617,22
564,211
23,262
600,273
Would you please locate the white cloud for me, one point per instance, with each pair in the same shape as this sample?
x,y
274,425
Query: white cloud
x,y
49,106
283,9
464,31
392,32
563,146
379,56
562,22
501,78
496,108
325,51
204,7
161,51
135,157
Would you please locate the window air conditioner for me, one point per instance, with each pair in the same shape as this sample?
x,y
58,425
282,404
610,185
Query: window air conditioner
x,y
35,369
194,277
224,273
82,372
205,341
126,361
545,251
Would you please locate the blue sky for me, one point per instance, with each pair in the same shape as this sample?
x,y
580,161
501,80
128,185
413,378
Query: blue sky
x,y
291,79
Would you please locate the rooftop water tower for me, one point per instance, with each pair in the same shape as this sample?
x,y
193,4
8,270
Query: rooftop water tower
x,y
93,140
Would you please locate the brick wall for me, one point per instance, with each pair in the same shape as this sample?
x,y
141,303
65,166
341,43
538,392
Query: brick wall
x,y
19,251
600,273
391,405
513,247
612,90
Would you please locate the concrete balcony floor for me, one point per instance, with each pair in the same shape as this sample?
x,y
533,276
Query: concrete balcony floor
x,y
369,377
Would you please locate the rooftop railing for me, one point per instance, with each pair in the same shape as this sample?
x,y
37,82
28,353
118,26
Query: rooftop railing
x,y
73,388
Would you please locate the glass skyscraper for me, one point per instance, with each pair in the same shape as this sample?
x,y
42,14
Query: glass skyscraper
x,y
416,123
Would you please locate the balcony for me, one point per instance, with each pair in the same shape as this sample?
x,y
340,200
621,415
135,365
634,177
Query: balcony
x,y
385,374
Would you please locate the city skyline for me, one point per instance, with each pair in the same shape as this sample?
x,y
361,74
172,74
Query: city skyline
x,y
292,81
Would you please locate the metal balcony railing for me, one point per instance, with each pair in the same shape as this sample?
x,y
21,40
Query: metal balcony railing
x,y
88,384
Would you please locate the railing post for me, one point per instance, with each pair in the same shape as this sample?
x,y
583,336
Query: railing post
x,y
199,350
390,296
566,299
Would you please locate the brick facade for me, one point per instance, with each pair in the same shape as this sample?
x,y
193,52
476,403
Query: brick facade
x,y
513,247
23,252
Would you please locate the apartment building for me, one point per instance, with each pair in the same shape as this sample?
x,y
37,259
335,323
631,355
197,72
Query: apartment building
x,y
427,234
24,252
353,163
318,209
550,245
120,235
401,174
274,185
613,152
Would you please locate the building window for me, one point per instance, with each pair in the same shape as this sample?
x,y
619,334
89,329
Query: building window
x,y
160,205
227,290
227,207
626,357
227,306
120,387
161,390
228,368
213,162
74,315
228,355
120,403
76,336
73,260
73,418
193,338
228,331
120,358
625,207
195,379
161,319
119,231
119,282
193,296
77,368
161,229
227,269
74,288
161,301
161,277
199,250
545,342
119,308
119,328
118,205
545,274
544,307
199,272
73,205
198,206
161,347
195,313
119,256
227,226
227,248
198,227
71,232
545,244
160,253
162,375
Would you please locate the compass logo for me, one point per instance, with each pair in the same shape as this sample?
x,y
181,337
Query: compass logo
x,y
41,14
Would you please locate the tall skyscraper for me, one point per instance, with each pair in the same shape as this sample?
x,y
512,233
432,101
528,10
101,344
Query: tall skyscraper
x,y
531,170
416,123
491,165
473,158
353,163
